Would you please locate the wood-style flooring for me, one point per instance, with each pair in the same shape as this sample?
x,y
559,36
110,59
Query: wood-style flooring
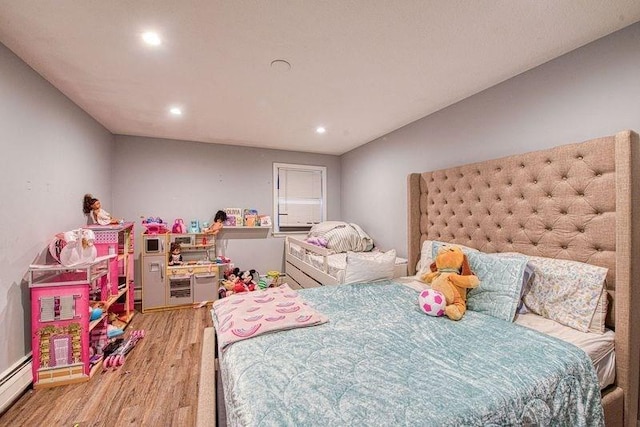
x,y
157,385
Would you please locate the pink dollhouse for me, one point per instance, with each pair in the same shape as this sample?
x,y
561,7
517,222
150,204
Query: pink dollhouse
x,y
67,341
60,321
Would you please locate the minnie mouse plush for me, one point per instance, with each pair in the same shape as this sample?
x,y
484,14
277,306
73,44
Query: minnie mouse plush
x,y
247,279
245,282
231,279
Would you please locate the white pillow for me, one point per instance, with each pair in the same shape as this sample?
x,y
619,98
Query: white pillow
x,y
369,266
425,260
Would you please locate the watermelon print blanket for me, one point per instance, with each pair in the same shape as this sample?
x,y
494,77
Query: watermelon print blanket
x,y
250,314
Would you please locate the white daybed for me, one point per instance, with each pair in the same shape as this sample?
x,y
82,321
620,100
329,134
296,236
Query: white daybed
x,y
309,266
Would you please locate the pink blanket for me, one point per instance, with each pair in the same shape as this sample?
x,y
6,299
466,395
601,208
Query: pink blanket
x,y
249,314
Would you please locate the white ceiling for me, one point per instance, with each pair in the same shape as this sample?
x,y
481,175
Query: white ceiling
x,y
360,68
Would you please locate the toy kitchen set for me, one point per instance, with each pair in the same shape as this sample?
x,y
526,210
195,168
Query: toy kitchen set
x,y
175,278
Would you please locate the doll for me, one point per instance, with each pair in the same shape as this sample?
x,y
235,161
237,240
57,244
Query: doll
x,y
215,228
175,254
95,214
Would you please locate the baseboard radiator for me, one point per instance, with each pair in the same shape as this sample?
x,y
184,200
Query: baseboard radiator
x,y
14,381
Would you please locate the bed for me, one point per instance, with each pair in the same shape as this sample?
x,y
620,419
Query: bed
x,y
309,265
379,362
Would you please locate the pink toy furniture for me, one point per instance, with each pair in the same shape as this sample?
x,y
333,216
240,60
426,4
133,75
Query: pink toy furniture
x,y
118,240
67,345
62,332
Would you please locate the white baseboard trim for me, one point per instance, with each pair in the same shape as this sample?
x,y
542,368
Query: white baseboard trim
x,y
14,381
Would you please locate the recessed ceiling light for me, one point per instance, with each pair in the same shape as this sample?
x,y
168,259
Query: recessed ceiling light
x,y
176,111
320,129
151,38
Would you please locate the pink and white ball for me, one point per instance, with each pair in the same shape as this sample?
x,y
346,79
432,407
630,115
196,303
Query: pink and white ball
x,y
432,302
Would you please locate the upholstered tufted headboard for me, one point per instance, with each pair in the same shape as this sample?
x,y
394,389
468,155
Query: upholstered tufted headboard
x,y
572,202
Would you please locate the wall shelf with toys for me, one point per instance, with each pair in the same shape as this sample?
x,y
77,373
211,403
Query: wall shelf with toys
x,y
238,218
246,227
243,232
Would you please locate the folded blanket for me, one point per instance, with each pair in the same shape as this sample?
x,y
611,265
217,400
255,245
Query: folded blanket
x,y
342,237
249,314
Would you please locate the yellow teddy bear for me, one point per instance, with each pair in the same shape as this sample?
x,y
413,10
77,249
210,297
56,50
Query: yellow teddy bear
x,y
451,275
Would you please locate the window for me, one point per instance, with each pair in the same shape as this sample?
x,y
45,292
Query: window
x,y
299,196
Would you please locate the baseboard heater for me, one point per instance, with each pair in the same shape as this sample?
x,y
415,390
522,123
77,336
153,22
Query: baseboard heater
x,y
14,381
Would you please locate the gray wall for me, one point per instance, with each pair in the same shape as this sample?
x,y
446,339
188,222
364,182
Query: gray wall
x,y
52,153
590,92
191,180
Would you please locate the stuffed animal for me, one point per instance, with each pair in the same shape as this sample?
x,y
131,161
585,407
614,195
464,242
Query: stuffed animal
x,y
246,277
231,278
451,275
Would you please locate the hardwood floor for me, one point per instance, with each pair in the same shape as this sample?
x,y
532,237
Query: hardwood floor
x,y
157,385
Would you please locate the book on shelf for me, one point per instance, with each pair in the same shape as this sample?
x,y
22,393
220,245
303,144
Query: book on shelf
x,y
250,217
264,220
234,217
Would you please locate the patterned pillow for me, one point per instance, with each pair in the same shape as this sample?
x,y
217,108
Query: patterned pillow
x,y
600,316
569,292
501,280
502,277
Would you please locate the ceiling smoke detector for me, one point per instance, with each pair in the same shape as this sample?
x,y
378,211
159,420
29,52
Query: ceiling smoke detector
x,y
280,65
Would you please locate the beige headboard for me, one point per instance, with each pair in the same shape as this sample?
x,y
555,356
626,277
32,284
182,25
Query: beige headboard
x,y
572,202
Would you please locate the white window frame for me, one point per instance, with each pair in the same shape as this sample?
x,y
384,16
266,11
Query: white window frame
x,y
276,202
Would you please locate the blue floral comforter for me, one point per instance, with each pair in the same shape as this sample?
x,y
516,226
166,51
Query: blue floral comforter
x,y
380,361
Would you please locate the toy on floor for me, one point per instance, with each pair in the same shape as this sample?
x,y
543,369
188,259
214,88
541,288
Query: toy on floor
x,y
231,276
274,277
247,282
237,281
116,359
